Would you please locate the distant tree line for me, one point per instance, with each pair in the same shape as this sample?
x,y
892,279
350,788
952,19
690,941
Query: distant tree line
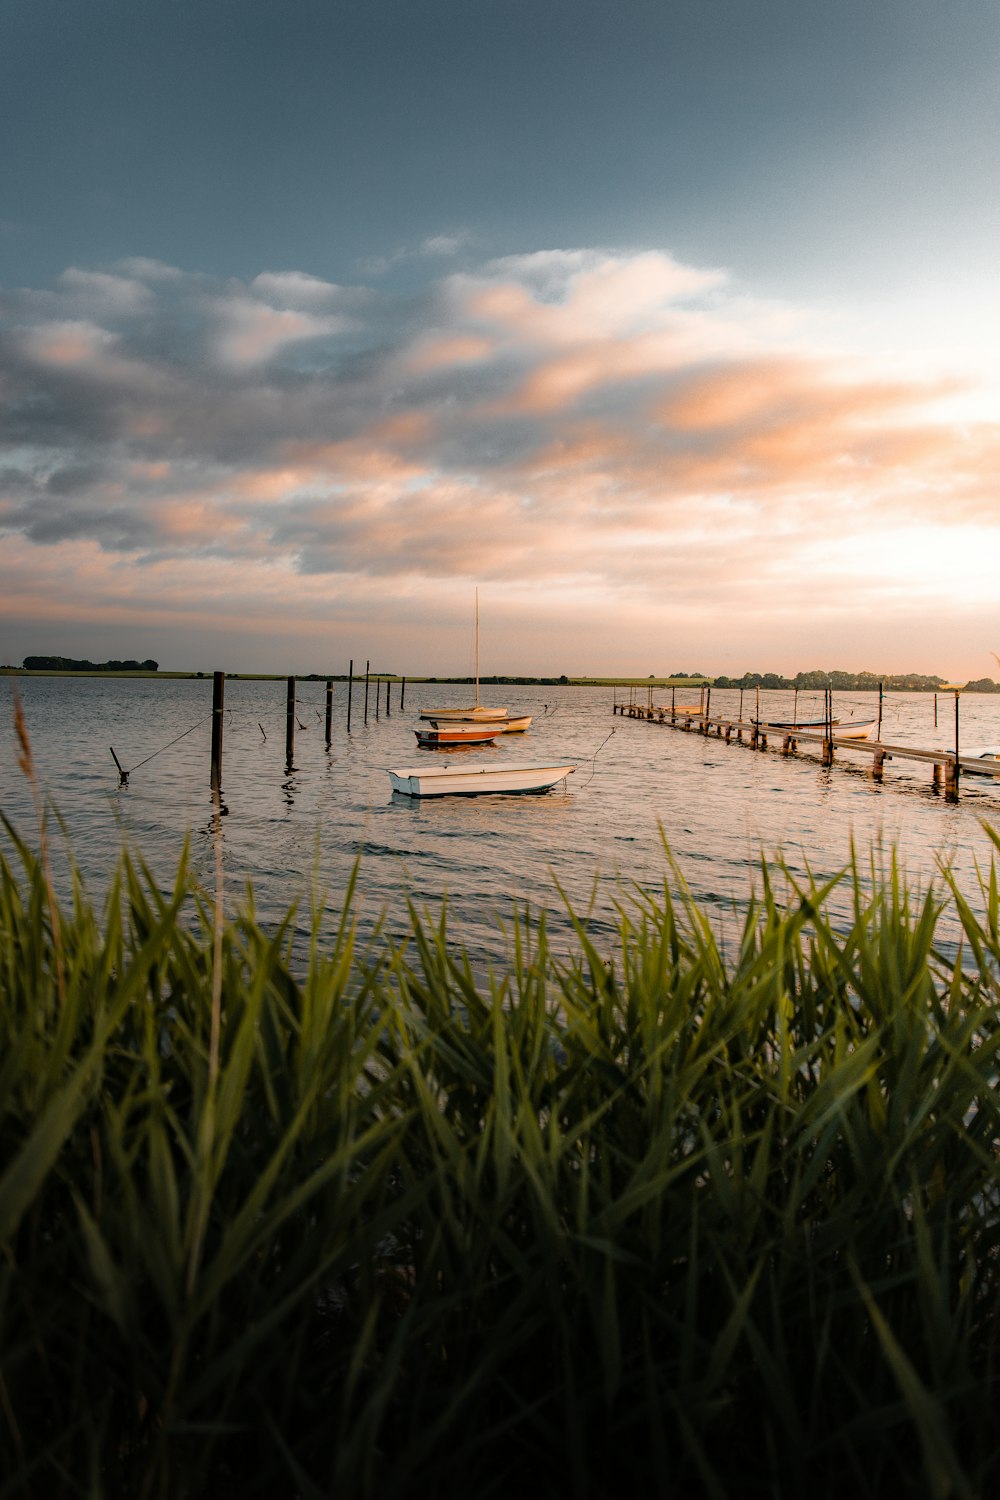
x,y
851,682
72,664
562,681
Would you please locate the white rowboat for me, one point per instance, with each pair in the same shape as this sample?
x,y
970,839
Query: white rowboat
x,y
474,781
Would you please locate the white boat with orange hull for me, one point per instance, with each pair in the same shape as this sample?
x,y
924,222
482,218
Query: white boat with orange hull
x,y
447,736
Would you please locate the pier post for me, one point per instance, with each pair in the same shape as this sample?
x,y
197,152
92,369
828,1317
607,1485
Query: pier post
x,y
957,769
402,694
218,699
378,690
367,672
827,755
329,710
350,692
290,723
878,731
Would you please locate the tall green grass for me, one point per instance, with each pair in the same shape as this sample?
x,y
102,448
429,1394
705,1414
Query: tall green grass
x,y
661,1222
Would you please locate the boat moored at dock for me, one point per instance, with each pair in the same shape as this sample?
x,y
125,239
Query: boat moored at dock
x,y
844,729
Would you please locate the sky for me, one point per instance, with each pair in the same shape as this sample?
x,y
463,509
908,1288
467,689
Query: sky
x,y
673,328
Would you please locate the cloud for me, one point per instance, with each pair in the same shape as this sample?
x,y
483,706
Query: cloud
x,y
250,332
297,289
568,420
434,247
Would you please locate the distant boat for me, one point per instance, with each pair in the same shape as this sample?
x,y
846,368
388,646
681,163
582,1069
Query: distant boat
x,y
449,735
477,710
990,758
475,781
854,729
848,729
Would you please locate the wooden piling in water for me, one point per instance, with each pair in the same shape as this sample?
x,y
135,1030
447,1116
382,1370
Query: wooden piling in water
x,y
122,773
402,693
367,674
826,755
329,711
350,692
218,703
290,723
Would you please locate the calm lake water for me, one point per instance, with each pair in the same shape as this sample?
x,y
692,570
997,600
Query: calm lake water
x,y
719,807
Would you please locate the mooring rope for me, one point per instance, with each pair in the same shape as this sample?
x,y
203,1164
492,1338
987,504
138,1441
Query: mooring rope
x,y
163,747
593,760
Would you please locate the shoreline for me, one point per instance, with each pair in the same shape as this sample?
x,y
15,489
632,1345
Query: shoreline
x,y
979,688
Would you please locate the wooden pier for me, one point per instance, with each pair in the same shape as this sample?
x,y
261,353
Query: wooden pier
x,y
947,766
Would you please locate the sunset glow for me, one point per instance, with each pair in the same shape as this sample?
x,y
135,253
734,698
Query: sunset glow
x,y
277,463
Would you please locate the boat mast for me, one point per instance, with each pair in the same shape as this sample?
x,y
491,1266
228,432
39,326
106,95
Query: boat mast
x,y
477,648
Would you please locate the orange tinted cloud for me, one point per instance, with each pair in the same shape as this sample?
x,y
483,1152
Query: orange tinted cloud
x,y
566,424
440,351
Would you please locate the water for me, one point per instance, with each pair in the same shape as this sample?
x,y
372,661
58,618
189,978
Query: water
x,y
599,835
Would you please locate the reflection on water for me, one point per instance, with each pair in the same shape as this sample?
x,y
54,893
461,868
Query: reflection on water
x,y
596,837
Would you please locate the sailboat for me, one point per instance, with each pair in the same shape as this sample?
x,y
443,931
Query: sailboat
x,y
478,711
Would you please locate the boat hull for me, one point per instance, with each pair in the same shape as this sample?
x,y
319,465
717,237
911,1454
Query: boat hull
x,y
457,735
477,780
